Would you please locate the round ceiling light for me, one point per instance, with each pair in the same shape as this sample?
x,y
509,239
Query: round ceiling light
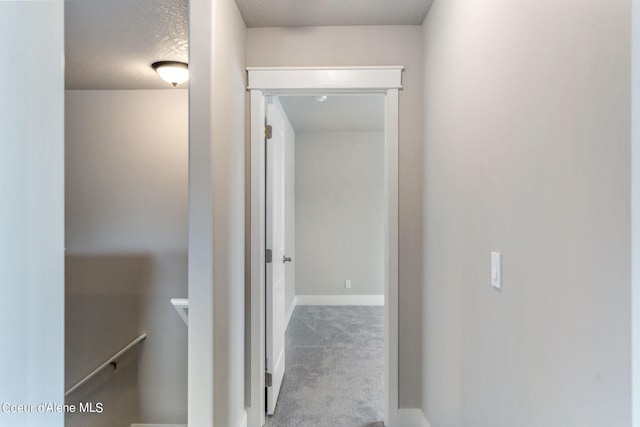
x,y
172,71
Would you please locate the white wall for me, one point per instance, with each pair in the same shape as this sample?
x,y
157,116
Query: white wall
x,y
374,45
216,213
32,213
527,145
126,240
339,204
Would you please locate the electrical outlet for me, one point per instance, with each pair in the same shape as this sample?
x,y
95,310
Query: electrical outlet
x,y
347,284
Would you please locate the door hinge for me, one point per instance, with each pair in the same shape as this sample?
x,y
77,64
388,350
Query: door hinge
x,y
268,256
268,379
268,131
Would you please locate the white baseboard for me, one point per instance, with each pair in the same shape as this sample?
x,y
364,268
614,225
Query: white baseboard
x,y
292,307
406,418
340,299
412,418
243,420
158,425
243,423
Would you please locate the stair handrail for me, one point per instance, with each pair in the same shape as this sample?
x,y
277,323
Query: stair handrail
x,y
109,361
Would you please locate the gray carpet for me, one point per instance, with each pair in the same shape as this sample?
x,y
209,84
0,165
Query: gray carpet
x,y
334,368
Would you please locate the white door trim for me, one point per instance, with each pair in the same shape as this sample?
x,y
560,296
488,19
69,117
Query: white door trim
x,y
335,79
319,80
635,216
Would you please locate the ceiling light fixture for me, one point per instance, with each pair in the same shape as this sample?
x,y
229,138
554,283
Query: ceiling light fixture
x,y
172,71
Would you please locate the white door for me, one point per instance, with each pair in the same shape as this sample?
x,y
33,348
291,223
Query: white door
x,y
275,271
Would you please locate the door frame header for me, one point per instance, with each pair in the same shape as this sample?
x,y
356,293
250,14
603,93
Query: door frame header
x,y
290,79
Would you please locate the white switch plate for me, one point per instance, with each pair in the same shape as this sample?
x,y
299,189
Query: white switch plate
x,y
496,270
347,284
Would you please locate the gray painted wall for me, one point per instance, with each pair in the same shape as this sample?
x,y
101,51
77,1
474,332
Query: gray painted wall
x,y
217,214
126,239
375,45
339,205
32,213
527,145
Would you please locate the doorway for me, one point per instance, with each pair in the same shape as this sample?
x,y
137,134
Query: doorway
x,y
329,339
263,82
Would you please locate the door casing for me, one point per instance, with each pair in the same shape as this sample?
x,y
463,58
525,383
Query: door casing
x,y
266,81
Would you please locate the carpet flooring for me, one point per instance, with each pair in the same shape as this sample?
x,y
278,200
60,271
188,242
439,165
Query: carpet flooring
x,y
334,373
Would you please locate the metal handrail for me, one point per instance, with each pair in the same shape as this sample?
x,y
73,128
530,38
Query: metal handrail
x,y
110,361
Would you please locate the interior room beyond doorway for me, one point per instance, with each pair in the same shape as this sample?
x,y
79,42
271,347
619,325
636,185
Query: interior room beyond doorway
x,y
333,160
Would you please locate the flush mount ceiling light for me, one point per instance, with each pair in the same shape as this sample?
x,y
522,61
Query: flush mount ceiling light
x,y
172,71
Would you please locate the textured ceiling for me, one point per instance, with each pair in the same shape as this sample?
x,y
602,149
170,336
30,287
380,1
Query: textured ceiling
x,y
356,113
297,13
110,44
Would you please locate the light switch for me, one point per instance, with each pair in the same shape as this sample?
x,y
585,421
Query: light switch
x,y
347,284
496,270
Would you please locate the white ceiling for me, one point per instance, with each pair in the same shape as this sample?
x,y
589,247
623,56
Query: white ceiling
x,y
297,13
110,44
355,113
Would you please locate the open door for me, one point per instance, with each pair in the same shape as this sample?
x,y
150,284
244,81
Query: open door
x,y
275,252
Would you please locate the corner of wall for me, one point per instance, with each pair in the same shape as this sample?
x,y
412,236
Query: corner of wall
x,y
412,417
